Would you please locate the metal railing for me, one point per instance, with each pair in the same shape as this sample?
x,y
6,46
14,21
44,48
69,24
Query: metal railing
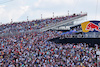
x,y
54,25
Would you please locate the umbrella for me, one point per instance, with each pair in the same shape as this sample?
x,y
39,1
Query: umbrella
x,y
66,32
72,31
63,33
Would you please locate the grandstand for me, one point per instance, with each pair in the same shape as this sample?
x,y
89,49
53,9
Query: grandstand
x,y
38,25
27,44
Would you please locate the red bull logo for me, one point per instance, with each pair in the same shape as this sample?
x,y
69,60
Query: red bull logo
x,y
91,26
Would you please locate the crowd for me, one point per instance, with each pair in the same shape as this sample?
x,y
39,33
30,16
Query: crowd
x,y
34,50
77,28
32,25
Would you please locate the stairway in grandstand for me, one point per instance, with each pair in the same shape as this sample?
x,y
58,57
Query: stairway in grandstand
x,y
55,25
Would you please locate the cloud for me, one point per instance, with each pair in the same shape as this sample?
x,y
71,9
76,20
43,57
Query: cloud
x,y
10,11
2,9
12,14
18,10
48,3
16,13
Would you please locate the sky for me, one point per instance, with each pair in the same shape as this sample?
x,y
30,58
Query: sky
x,y
19,10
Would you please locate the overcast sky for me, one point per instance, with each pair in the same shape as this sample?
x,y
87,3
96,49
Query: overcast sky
x,y
18,10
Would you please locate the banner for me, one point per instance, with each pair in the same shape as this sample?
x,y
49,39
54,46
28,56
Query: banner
x,y
91,26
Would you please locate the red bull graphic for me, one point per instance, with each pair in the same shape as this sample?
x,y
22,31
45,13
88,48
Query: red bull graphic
x,y
91,26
